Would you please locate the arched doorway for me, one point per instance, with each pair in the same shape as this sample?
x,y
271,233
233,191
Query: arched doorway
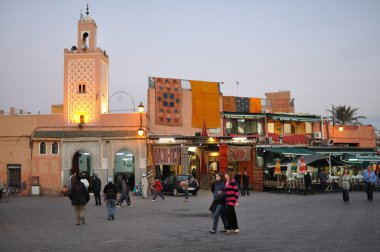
x,y
83,164
125,167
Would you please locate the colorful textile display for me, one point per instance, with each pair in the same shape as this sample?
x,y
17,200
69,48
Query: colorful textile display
x,y
255,106
168,101
239,153
229,103
203,165
223,158
205,104
301,165
277,170
167,155
242,104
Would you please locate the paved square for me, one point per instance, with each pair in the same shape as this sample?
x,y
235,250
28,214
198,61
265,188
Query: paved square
x,y
267,221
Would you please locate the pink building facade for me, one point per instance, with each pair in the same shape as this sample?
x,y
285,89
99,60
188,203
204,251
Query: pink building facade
x,y
81,136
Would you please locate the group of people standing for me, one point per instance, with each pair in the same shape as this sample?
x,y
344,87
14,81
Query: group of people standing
x,y
369,178
225,198
79,195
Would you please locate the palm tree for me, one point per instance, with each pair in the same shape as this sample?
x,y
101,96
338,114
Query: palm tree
x,y
345,115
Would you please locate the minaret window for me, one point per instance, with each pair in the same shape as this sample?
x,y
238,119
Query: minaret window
x,y
84,41
81,119
81,88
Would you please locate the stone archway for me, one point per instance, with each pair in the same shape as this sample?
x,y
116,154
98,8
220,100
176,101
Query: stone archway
x,y
82,163
125,166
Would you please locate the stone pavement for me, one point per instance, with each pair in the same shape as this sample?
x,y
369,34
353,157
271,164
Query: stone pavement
x,y
267,221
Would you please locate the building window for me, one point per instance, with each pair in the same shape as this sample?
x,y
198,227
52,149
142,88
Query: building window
x,y
243,126
54,148
287,128
271,127
308,128
14,175
82,88
43,148
81,119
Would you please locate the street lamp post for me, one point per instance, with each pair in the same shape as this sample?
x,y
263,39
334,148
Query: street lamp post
x,y
140,133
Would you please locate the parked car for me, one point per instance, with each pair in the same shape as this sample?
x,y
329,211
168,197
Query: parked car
x,y
173,184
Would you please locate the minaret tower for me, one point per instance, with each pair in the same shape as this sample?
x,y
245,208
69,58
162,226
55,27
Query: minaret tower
x,y
85,77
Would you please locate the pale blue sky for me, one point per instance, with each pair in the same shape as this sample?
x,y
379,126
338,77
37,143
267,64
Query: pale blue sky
x,y
324,51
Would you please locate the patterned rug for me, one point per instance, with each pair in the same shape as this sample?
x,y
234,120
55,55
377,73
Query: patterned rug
x,y
168,101
242,104
229,103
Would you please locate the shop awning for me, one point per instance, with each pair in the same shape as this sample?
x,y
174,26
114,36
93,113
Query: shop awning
x,y
291,151
295,118
338,151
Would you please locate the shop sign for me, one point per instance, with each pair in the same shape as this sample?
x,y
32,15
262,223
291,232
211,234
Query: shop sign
x,y
169,141
238,141
359,158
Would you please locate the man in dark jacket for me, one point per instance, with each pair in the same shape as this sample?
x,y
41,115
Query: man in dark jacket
x,y
97,187
124,193
79,197
238,181
307,179
110,191
245,183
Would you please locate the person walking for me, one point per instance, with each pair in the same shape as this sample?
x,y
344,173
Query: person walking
x,y
323,179
245,183
185,187
110,191
232,196
97,187
144,186
346,183
72,178
79,197
158,189
307,180
124,194
370,179
1,188
219,195
238,182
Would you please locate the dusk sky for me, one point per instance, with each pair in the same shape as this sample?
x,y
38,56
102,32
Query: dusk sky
x,y
326,52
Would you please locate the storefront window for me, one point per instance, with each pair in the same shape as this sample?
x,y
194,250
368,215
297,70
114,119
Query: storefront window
x,y
213,164
243,126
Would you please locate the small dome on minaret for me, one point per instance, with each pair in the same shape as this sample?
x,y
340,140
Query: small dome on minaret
x,y
86,18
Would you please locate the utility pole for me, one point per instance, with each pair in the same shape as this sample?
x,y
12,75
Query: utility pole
x,y
237,88
333,117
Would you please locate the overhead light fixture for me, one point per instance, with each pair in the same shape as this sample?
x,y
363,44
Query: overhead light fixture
x,y
192,148
140,132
